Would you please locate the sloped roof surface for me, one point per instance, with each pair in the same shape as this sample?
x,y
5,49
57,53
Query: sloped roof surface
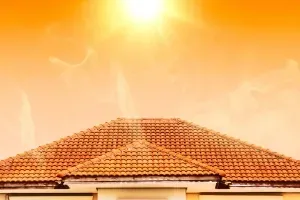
x,y
240,161
141,158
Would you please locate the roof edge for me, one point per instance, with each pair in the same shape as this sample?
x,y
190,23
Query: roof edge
x,y
273,184
132,179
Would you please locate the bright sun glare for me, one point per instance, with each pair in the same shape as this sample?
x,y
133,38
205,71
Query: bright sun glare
x,y
144,10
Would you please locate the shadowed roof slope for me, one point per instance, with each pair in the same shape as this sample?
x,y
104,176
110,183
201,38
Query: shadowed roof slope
x,y
241,162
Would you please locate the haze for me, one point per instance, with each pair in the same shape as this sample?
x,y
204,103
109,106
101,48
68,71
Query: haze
x,y
228,65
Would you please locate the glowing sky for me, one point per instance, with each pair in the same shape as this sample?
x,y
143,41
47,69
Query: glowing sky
x,y
194,61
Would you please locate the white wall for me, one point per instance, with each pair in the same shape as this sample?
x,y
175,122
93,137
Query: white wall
x,y
141,194
50,198
192,196
295,196
240,197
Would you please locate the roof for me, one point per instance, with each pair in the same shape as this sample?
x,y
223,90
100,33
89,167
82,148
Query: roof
x,y
241,162
141,158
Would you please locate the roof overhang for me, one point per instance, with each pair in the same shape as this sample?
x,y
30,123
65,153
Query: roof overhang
x,y
190,186
94,179
142,182
81,182
282,184
28,185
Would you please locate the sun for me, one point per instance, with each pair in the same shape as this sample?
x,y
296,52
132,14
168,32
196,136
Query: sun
x,y
143,10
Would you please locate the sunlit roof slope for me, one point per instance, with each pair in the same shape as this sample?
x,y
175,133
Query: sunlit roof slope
x,y
165,140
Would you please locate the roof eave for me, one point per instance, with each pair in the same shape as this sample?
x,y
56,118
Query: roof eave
x,y
273,184
28,185
102,179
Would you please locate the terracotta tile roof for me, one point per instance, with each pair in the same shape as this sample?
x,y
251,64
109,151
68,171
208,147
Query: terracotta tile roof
x,y
141,158
240,161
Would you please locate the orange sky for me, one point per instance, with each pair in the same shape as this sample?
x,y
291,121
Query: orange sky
x,y
238,42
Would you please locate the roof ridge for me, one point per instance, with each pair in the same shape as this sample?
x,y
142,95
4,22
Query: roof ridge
x,y
154,119
136,143
266,150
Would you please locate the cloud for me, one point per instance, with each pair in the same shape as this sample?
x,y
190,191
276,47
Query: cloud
x,y
123,93
260,110
69,69
27,124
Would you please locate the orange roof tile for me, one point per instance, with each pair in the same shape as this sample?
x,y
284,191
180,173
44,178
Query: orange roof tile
x,y
240,161
141,158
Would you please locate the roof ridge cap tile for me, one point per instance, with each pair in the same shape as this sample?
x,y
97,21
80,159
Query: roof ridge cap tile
x,y
154,119
243,142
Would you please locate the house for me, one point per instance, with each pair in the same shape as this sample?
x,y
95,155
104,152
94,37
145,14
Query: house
x,y
149,158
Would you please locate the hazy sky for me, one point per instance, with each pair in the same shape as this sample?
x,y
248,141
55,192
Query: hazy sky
x,y
224,64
